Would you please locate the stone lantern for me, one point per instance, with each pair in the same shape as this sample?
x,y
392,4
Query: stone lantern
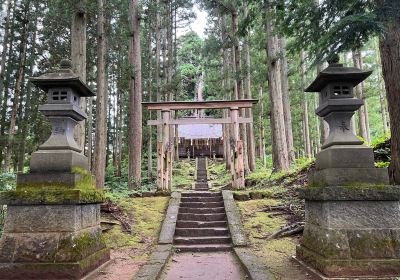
x,y
52,229
352,215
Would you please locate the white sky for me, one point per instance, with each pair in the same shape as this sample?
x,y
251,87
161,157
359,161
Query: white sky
x,y
198,25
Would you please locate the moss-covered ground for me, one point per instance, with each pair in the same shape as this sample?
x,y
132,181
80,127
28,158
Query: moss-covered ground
x,y
218,175
183,174
145,215
275,253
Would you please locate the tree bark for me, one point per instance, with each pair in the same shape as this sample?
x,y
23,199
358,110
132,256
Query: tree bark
x,y
28,104
18,89
390,55
251,147
90,134
5,48
135,99
149,92
279,147
306,125
238,91
286,100
362,118
262,133
382,98
100,149
78,57
5,92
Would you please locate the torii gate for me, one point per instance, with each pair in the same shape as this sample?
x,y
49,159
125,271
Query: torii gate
x,y
164,147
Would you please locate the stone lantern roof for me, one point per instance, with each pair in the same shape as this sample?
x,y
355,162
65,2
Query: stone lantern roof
x,y
63,77
337,73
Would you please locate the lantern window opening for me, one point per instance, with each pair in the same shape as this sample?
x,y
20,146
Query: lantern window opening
x,y
341,90
63,95
56,95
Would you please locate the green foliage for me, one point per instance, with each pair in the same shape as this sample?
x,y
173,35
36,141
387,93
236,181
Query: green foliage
x,y
183,173
7,181
219,176
330,27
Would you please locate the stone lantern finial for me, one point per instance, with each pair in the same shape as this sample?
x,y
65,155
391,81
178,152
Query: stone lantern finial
x,y
66,64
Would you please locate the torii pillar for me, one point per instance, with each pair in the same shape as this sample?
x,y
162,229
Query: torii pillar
x,y
236,146
164,150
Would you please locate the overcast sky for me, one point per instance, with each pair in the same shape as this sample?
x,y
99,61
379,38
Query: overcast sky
x,y
198,25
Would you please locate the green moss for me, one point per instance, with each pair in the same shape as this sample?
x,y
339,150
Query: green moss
x,y
86,180
183,173
275,254
146,216
81,246
51,196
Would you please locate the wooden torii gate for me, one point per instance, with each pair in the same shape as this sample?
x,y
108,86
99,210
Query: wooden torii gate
x,y
165,147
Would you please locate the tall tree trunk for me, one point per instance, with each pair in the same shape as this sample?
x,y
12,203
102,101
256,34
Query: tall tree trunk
x,y
135,99
5,47
18,88
100,149
262,133
286,100
6,82
382,98
90,134
390,55
150,93
158,65
279,146
78,57
236,63
251,146
362,118
28,103
226,87
306,125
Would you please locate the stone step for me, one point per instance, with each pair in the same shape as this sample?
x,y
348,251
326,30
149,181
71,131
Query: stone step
x,y
184,210
201,217
197,232
201,199
204,248
205,194
201,224
181,240
202,204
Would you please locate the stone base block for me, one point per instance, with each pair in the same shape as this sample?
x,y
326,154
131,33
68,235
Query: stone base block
x,y
51,271
57,161
342,156
355,233
51,218
51,255
371,268
349,177
53,180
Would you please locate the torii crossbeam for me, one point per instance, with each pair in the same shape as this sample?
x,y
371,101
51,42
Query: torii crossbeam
x,y
164,148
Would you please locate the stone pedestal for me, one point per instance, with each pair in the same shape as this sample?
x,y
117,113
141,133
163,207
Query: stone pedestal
x,y
352,225
352,232
52,231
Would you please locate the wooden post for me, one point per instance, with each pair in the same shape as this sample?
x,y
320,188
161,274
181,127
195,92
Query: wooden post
x,y
237,163
167,149
160,166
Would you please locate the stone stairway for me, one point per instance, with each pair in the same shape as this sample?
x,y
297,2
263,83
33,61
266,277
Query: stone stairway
x,y
201,180
202,224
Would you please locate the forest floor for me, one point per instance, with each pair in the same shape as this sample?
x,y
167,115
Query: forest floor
x,y
131,228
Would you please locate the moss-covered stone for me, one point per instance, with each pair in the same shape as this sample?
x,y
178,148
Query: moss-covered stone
x,y
241,196
51,197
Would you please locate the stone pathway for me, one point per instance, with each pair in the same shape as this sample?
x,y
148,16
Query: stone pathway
x,y
204,266
201,178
